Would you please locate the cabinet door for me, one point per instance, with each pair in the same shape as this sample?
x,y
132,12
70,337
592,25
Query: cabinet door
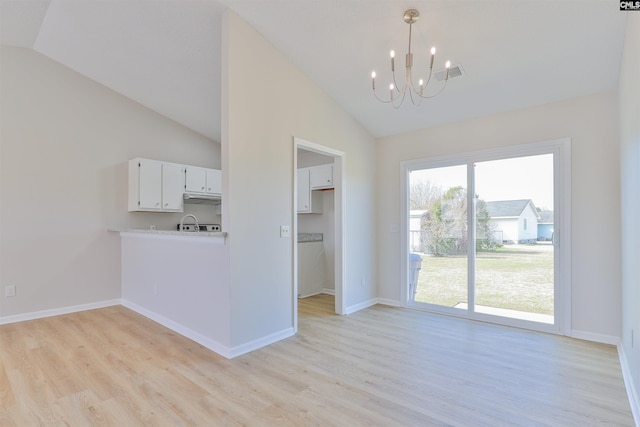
x,y
304,192
195,179
214,181
150,184
321,177
172,186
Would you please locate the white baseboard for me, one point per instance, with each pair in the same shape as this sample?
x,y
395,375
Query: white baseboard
x,y
592,336
180,329
260,342
361,306
391,302
321,292
632,393
4,320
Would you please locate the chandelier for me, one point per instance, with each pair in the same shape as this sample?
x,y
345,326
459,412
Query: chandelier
x,y
417,93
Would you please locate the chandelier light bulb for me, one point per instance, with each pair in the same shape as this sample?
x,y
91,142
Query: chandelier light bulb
x,y
421,82
373,74
392,54
433,50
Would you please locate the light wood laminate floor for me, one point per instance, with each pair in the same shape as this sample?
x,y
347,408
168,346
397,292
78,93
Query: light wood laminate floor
x,y
382,366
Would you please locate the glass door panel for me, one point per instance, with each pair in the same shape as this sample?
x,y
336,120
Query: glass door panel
x,y
438,242
514,263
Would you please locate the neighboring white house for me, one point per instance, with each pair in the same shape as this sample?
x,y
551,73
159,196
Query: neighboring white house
x,y
513,221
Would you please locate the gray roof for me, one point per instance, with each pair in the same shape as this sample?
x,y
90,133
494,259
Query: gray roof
x,y
545,217
508,208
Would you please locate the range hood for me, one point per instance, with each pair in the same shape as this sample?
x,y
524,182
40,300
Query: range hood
x,y
202,199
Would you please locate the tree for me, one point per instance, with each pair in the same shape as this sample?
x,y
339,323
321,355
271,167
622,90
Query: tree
x,y
484,227
422,194
444,224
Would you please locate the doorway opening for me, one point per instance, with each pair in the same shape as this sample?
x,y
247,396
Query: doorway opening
x,y
483,235
318,224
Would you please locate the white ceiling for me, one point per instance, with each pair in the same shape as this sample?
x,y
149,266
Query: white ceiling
x,y
165,54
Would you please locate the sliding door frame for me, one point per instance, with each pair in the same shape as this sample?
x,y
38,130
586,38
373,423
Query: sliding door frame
x,y
561,150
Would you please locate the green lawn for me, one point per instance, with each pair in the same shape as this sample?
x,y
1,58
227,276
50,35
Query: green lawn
x,y
515,277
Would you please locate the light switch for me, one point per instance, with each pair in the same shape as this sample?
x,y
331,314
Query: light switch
x,y
284,231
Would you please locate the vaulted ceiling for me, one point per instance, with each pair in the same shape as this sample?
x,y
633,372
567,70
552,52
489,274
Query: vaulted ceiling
x,y
165,54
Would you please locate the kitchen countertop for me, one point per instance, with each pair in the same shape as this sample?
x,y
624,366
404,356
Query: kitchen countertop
x,y
170,232
309,237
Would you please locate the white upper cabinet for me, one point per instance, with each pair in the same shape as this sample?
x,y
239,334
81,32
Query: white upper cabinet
x,y
214,181
304,192
321,177
149,184
195,179
172,186
203,180
155,186
308,201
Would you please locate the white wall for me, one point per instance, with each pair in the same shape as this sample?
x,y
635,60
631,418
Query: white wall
x,y
266,102
65,141
629,104
591,122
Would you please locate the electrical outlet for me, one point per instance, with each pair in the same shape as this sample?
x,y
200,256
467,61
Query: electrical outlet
x,y
10,291
284,231
394,228
152,227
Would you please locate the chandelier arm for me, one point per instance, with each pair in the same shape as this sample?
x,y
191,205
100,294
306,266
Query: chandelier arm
x,y
429,77
404,93
437,93
413,101
380,99
409,80
395,84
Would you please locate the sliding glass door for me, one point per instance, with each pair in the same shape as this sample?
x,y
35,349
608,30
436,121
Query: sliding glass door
x,y
514,268
438,236
506,264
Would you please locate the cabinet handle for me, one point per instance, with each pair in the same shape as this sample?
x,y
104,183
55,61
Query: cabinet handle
x,y
202,188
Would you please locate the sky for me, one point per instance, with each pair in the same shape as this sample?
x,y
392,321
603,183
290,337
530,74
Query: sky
x,y
507,179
